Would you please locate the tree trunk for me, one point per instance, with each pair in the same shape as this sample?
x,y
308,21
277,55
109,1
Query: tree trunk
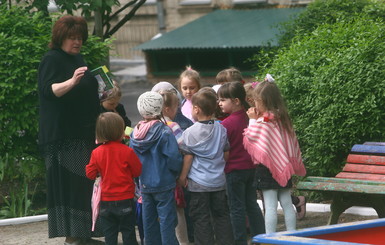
x,y
98,31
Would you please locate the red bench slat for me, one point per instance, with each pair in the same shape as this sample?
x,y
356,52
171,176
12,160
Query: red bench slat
x,y
362,168
367,159
361,176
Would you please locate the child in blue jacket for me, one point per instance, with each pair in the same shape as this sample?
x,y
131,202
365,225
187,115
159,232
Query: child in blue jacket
x,y
156,146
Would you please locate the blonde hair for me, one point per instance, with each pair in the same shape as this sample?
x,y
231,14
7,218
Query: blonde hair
x,y
229,75
113,93
109,127
269,95
169,98
191,74
249,88
206,100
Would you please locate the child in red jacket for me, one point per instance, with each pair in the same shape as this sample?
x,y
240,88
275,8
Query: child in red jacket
x,y
118,165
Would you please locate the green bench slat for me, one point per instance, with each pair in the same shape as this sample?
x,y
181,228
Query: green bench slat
x,y
342,180
379,188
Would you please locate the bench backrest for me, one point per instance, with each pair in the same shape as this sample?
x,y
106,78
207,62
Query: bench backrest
x,y
365,162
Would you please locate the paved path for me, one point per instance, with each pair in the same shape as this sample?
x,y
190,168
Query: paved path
x,y
130,94
33,234
131,76
37,233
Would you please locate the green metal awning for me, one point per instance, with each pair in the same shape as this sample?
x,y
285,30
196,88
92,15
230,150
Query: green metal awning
x,y
224,29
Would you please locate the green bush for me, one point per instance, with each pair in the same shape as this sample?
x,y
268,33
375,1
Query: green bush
x,y
322,12
96,52
332,80
24,38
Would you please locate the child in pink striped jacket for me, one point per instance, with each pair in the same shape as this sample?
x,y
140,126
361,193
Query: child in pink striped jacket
x,y
271,141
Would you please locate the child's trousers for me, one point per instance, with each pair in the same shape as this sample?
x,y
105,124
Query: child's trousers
x,y
211,218
271,198
118,216
243,203
159,218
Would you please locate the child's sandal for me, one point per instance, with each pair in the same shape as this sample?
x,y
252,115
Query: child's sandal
x,y
301,207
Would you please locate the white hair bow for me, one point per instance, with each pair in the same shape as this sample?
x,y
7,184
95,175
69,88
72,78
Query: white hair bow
x,y
269,78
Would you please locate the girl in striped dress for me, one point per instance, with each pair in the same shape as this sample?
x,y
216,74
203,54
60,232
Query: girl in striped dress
x,y
271,141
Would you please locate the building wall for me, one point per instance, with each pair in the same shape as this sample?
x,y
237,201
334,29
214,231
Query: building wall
x,y
144,25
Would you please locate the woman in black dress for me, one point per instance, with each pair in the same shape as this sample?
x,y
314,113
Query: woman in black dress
x,y
69,106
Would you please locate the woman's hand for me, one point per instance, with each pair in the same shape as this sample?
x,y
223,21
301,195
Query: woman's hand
x,y
252,113
78,74
60,89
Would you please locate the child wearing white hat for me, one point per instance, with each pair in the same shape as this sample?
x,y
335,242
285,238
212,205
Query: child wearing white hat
x,y
156,146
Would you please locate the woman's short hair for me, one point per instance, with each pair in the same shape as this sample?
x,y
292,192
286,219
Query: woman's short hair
x,y
66,27
109,127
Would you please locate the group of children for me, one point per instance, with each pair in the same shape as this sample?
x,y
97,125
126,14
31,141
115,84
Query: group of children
x,y
200,155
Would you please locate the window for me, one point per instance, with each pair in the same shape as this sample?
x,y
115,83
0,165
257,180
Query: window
x,y
194,2
248,1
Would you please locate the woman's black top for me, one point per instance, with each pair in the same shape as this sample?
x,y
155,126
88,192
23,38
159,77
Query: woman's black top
x,y
73,115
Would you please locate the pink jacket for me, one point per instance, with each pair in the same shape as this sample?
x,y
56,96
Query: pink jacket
x,y
270,145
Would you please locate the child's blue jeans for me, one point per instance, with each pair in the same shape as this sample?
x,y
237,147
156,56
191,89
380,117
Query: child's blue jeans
x,y
159,218
242,196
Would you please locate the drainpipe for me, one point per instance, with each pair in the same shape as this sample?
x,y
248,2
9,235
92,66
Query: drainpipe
x,y
161,21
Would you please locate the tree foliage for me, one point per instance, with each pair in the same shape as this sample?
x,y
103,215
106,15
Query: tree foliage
x,y
108,10
332,78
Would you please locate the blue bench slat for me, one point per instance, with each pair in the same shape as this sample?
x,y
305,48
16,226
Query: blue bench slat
x,y
374,149
374,143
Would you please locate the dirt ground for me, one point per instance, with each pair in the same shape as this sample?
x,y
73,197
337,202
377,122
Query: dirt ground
x,y
37,233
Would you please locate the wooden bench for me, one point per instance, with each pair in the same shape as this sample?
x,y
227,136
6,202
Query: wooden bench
x,y
361,182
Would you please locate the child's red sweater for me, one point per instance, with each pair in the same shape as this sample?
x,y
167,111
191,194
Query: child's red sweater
x,y
118,165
